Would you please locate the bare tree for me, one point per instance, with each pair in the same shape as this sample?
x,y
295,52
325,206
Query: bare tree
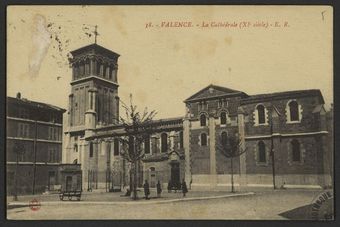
x,y
138,127
230,147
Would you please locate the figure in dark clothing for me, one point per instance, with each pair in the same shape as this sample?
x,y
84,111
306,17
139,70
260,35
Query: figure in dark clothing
x,y
146,189
169,186
159,189
184,188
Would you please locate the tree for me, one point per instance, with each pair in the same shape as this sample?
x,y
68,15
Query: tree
x,y
230,147
138,127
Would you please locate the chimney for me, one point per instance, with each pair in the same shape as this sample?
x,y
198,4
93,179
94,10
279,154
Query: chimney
x,y
18,95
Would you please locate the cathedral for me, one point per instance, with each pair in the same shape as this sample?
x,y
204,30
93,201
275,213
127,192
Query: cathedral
x,y
284,137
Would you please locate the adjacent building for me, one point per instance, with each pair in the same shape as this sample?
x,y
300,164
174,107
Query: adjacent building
x,y
284,135
34,145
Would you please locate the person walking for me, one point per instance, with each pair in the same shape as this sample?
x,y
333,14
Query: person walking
x,y
169,186
146,189
159,189
184,188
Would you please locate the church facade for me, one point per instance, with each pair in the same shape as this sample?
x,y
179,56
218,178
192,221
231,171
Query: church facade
x,y
283,136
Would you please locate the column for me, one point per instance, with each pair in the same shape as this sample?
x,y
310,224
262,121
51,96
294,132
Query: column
x,y
212,148
241,131
186,146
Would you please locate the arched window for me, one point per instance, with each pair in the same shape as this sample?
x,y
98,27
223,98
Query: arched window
x,y
87,67
116,147
75,147
223,118
91,150
203,139
203,120
181,139
104,70
261,151
224,138
98,68
294,111
164,142
152,169
296,153
261,114
147,145
110,72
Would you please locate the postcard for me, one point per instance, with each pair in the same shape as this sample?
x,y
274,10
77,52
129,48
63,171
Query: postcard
x,y
169,112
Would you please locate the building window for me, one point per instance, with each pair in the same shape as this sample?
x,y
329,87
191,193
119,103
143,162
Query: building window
x,y
164,142
110,73
53,133
98,68
262,151
203,120
181,139
204,139
294,111
75,148
52,155
116,147
261,114
224,138
223,118
87,67
23,130
91,150
296,153
147,145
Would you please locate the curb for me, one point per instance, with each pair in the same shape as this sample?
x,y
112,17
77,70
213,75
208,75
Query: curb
x,y
131,202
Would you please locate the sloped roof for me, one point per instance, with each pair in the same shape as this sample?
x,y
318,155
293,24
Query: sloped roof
x,y
94,47
23,101
213,91
283,95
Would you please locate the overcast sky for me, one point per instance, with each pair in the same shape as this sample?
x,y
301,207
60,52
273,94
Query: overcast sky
x,y
163,66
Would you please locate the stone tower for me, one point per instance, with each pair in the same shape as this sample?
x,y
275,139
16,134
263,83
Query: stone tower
x,y
93,103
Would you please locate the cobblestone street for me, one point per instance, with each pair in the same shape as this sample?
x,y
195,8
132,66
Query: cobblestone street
x,y
261,205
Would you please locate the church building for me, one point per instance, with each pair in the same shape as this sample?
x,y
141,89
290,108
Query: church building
x,y
283,136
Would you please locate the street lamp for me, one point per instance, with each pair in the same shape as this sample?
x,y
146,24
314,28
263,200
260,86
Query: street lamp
x,y
19,149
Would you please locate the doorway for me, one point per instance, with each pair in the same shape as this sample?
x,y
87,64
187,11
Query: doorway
x,y
51,180
68,183
175,174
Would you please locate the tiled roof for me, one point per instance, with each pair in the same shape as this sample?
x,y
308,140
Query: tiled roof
x,y
282,95
35,104
94,47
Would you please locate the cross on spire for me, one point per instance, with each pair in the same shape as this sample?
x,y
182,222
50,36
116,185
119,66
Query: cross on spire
x,y
95,34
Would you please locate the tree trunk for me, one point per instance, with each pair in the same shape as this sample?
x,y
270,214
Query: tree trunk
x,y
232,175
135,180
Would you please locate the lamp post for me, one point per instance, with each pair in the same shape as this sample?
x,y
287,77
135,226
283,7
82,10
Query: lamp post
x,y
19,149
274,114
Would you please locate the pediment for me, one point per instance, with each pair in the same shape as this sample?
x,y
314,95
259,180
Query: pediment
x,y
212,91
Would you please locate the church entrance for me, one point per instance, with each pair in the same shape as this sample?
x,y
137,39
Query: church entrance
x,y
175,174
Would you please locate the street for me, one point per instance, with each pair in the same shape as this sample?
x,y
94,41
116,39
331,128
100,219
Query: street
x,y
261,205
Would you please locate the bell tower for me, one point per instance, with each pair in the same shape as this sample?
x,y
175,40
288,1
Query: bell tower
x,y
94,97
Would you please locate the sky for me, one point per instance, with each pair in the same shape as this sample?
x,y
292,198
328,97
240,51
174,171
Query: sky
x,y
162,66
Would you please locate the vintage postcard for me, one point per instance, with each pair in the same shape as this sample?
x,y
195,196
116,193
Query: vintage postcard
x,y
169,112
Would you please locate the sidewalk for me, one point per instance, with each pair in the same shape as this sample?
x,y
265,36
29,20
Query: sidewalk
x,y
118,198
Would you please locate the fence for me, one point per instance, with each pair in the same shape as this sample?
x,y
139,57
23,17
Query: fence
x,y
117,180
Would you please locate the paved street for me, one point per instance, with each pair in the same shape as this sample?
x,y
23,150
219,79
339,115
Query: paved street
x,y
261,205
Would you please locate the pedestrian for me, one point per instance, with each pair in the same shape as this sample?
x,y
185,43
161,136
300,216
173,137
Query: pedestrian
x,y
169,186
159,189
184,188
146,189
